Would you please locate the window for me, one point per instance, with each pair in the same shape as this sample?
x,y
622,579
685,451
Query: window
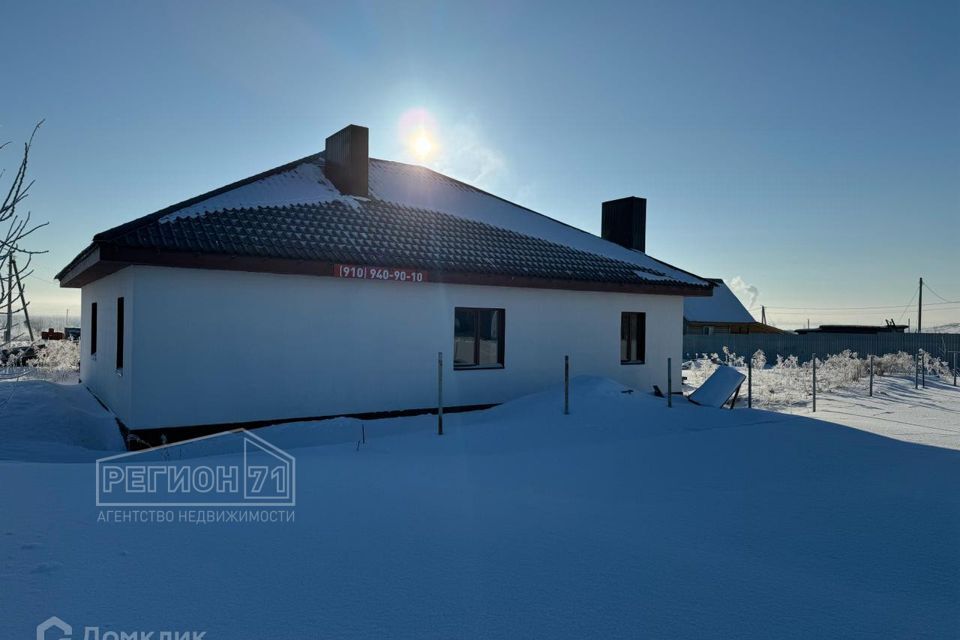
x,y
633,337
478,338
119,334
93,329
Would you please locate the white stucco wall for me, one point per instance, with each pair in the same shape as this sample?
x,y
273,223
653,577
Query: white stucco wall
x,y
99,372
207,347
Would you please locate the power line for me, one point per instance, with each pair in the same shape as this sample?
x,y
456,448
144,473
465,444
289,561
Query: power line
x,y
907,306
35,276
945,301
879,307
845,313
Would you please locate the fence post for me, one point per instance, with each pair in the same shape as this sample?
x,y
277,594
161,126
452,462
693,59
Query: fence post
x,y
669,382
440,393
923,368
871,376
750,383
814,383
566,385
916,370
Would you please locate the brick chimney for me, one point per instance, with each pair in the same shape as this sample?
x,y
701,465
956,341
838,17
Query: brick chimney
x,y
625,222
347,160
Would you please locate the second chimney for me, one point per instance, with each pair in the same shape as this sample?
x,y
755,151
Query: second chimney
x,y
346,162
625,222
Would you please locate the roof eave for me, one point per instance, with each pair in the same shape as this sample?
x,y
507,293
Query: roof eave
x,y
94,263
102,259
79,263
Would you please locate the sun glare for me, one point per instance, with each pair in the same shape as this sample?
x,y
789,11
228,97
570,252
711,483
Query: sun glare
x,y
422,145
417,130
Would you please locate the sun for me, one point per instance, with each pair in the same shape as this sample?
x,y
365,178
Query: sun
x,y
419,134
422,145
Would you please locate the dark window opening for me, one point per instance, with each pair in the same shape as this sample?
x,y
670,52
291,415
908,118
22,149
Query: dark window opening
x,y
478,338
119,333
93,329
633,337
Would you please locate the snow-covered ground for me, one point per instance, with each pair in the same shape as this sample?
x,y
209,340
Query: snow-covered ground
x,y
929,415
42,421
623,519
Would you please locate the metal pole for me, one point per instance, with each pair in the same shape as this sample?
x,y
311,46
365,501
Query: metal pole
x,y
669,382
814,383
750,383
871,376
954,368
440,393
566,385
916,370
923,368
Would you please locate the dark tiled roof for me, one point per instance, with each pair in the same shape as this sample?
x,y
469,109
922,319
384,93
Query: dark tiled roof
x,y
380,233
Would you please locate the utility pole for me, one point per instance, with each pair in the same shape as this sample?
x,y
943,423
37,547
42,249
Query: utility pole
x,y
920,307
763,314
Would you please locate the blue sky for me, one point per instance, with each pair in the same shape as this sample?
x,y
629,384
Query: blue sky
x,y
810,149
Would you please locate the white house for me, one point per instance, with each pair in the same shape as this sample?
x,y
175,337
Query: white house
x,y
327,286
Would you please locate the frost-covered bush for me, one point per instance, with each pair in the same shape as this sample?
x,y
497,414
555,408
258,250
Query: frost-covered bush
x,y
937,367
838,370
54,360
789,382
732,359
58,355
903,363
894,364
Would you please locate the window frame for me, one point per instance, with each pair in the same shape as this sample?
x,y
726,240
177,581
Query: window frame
x,y
93,329
501,342
121,317
641,335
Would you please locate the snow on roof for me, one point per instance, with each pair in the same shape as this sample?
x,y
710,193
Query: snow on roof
x,y
422,188
427,189
302,184
722,306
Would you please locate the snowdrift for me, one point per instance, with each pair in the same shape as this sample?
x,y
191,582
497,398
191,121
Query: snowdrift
x,y
43,421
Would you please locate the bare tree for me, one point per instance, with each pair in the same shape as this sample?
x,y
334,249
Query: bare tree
x,y
14,228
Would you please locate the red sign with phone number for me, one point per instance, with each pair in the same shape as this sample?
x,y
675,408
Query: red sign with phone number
x,y
363,272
